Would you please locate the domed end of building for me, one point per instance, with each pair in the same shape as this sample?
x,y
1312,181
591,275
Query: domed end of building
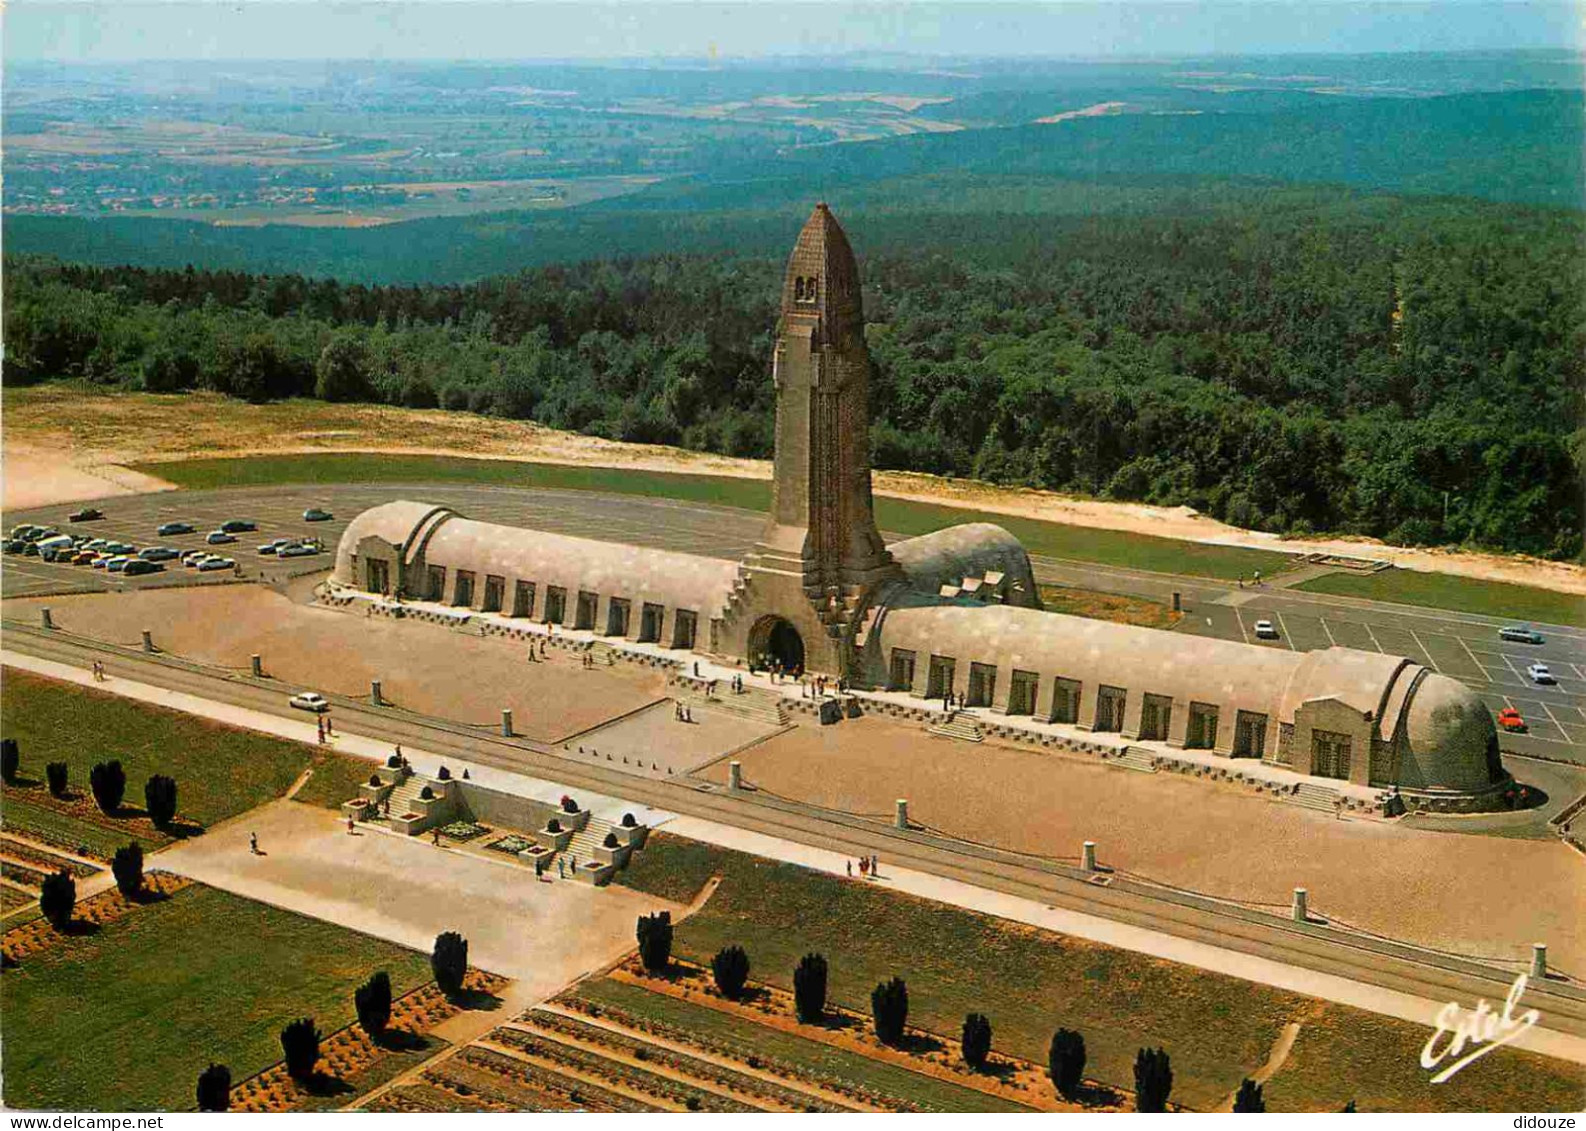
x,y
1451,741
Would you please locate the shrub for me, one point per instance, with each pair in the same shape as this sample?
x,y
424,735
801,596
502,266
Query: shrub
x,y
889,1005
1153,1079
449,962
655,941
55,773
373,1002
214,1088
553,826
445,774
159,798
611,840
57,895
108,781
976,1040
809,988
1249,1098
10,759
300,1046
127,867
1065,1060
628,821
731,969
393,761
427,794
374,779
569,805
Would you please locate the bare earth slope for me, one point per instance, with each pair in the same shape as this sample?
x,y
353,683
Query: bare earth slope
x,y
64,442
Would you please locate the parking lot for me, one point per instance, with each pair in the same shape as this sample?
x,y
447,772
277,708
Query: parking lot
x,y
1464,646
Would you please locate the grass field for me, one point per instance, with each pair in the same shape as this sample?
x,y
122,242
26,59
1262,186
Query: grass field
x,y
1027,982
1462,594
1078,543
124,1020
820,1060
220,771
1108,606
336,779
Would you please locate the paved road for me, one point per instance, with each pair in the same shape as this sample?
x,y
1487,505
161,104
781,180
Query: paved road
x,y
1462,645
1310,946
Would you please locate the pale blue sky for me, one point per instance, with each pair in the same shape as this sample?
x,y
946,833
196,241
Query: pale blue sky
x,y
91,30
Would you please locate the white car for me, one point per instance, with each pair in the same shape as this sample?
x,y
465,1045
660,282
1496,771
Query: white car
x,y
1265,631
1540,673
309,701
209,565
220,537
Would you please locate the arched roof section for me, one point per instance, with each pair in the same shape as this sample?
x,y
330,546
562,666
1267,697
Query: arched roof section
x,y
400,523
971,550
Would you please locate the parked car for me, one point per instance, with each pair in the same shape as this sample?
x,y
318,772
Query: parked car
x,y
238,525
14,545
87,514
309,701
169,528
1509,719
117,562
121,548
136,567
30,549
219,537
1520,634
214,562
39,533
1265,631
1540,673
85,557
296,550
274,545
314,514
159,554
193,557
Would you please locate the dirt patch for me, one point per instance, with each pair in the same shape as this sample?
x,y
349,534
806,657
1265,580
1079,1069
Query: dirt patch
x,y
72,430
1211,838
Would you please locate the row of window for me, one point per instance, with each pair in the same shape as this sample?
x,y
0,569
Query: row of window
x,y
1024,687
586,605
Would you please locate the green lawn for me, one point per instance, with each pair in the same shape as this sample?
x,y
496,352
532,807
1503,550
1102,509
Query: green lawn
x,y
819,1060
1028,982
1079,543
1346,1054
219,770
336,779
124,1020
1462,594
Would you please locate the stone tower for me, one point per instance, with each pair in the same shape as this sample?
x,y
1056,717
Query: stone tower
x,y
821,558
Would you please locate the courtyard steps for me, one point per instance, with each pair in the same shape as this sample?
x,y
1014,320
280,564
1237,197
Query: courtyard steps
x,y
1318,797
586,840
1134,758
957,725
755,703
403,796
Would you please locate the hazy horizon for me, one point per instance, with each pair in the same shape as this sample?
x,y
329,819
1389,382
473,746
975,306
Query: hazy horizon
x,y
675,32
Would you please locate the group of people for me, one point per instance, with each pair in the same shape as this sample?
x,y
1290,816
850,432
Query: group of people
x,y
323,726
536,657
680,711
99,671
869,867
816,686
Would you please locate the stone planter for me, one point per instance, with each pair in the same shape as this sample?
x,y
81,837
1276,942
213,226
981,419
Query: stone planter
x,y
575,821
616,857
409,824
553,842
631,838
374,794
356,808
593,873
432,811
529,856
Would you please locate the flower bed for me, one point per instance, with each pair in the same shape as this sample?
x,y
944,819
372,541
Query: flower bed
x,y
463,830
42,860
511,844
25,876
568,1092
37,935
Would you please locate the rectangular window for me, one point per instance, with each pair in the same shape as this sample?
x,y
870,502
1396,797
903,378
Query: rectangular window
x,y
1330,752
650,618
617,617
555,605
1202,731
982,684
1250,734
523,599
435,583
1156,713
684,622
940,677
463,595
1022,690
495,589
1109,708
585,613
1065,700
901,675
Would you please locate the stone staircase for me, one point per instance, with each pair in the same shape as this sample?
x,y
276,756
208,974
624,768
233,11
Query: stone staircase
x,y
405,794
1318,797
1134,758
957,725
582,847
754,703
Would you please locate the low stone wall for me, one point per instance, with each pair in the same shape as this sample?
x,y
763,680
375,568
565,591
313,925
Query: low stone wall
x,y
504,810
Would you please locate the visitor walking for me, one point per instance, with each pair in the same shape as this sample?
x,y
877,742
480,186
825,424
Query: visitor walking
x,y
849,864
561,867
253,843
349,825
328,732
875,867
864,865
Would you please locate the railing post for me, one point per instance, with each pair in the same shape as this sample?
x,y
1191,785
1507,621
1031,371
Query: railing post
x,y
901,817
1539,960
734,775
1089,856
506,722
1300,909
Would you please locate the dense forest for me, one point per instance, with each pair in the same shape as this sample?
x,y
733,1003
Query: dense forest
x,y
1409,370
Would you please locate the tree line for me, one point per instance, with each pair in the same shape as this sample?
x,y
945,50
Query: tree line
x,y
1410,373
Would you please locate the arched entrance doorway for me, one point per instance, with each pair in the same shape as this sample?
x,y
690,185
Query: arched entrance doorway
x,y
775,639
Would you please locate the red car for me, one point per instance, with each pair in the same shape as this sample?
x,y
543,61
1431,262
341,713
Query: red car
x,y
1509,719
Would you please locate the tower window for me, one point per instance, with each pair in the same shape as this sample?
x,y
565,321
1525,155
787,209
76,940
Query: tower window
x,y
805,288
